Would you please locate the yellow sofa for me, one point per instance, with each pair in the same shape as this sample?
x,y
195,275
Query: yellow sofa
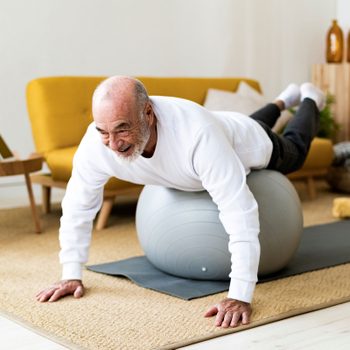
x,y
60,110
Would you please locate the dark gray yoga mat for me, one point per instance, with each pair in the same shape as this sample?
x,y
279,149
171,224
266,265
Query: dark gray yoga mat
x,y
321,246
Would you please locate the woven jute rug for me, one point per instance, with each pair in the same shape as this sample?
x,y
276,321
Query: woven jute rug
x,y
117,314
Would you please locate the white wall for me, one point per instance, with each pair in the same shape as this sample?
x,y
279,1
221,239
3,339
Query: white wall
x,y
274,41
343,16
286,38
91,37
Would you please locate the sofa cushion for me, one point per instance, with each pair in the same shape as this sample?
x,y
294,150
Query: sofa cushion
x,y
60,163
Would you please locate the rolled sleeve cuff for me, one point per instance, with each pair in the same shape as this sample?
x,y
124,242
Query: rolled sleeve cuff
x,y
241,290
72,271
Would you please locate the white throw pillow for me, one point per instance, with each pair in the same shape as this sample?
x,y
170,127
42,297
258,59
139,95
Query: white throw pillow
x,y
246,100
246,90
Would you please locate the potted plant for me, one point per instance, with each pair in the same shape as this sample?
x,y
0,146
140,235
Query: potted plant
x,y
328,126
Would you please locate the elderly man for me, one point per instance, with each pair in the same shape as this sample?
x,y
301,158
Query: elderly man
x,y
177,143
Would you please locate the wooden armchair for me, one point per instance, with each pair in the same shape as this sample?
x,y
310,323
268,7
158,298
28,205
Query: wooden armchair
x,y
12,165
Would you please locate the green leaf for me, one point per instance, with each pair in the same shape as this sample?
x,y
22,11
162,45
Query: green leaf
x,y
328,126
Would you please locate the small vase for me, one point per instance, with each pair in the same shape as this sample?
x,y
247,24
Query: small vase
x,y
334,43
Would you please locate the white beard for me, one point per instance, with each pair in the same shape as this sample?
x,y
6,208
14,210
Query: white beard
x,y
139,147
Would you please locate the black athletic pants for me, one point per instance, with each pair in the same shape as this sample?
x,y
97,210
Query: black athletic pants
x,y
290,149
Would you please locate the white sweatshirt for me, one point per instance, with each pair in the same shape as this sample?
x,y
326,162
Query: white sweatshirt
x,y
196,149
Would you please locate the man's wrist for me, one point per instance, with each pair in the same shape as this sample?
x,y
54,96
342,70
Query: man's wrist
x,y
241,290
72,271
240,301
71,280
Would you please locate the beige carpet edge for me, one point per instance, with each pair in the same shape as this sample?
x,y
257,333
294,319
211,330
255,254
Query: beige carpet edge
x,y
282,316
48,335
279,317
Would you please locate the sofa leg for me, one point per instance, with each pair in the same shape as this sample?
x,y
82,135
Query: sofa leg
x,y
311,187
104,213
46,199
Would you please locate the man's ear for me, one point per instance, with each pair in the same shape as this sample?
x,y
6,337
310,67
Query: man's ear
x,y
149,114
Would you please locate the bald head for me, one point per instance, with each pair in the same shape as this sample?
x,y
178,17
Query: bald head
x,y
120,93
124,117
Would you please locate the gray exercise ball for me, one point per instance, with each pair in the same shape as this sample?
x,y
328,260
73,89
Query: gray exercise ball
x,y
181,234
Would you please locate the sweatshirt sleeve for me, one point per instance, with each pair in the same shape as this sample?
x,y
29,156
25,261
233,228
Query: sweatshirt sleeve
x,y
224,177
82,200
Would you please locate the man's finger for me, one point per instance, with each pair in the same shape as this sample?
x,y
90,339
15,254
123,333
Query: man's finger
x,y
46,295
38,294
79,292
211,312
235,319
58,294
245,318
219,318
227,320
44,291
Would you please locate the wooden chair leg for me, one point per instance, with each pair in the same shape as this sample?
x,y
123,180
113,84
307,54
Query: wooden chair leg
x,y
104,213
46,199
32,203
311,187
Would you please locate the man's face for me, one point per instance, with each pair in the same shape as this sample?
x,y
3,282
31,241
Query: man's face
x,y
122,129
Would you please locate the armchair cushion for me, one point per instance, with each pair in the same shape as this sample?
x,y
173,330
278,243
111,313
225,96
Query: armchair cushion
x,y
60,162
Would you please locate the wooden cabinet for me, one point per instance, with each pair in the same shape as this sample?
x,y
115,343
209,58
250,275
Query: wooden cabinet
x,y
335,78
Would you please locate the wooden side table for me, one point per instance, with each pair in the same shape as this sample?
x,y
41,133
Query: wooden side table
x,y
24,167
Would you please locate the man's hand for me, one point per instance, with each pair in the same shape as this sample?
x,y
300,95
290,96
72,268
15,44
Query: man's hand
x,y
229,312
61,289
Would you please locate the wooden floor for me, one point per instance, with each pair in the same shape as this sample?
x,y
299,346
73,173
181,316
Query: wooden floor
x,y
323,329
16,337
327,329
